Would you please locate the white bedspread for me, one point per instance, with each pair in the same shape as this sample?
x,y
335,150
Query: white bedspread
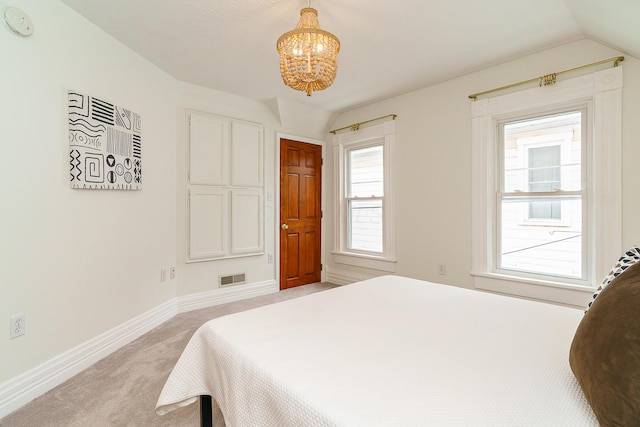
x,y
389,351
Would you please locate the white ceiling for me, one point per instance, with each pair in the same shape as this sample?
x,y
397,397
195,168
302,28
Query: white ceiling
x,y
387,47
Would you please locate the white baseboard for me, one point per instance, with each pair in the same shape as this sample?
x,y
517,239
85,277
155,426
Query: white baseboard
x,y
225,295
22,389
340,276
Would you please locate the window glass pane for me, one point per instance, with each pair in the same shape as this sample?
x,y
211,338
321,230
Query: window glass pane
x,y
365,225
543,153
546,249
545,210
544,168
544,175
366,173
542,234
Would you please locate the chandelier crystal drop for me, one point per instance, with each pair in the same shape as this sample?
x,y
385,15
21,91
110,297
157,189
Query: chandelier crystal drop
x,y
308,55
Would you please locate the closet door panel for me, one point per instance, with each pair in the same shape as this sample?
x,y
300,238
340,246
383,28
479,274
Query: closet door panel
x,y
247,153
208,223
247,234
208,149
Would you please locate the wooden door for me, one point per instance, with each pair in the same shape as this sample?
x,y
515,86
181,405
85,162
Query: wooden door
x,y
300,213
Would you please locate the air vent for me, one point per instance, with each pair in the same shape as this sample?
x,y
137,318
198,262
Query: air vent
x,y
233,279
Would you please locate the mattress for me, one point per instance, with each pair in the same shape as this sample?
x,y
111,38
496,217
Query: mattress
x,y
388,351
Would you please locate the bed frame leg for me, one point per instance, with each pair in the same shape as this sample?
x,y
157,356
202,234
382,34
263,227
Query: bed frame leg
x,y
206,415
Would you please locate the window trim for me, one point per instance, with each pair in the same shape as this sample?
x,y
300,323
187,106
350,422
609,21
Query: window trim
x,y
604,89
383,134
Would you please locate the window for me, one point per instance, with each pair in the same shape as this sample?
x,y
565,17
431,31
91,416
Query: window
x,y
364,217
365,194
542,196
546,188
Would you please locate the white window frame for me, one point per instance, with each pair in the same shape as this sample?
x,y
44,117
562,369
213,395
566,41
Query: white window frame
x,y
344,143
603,89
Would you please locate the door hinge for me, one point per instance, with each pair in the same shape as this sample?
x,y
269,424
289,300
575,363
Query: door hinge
x,y
320,267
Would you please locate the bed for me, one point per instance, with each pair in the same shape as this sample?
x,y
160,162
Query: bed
x,y
388,351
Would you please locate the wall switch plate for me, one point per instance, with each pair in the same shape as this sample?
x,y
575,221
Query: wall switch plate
x,y
163,274
17,325
172,273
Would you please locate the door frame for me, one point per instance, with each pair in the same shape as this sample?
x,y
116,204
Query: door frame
x,y
276,260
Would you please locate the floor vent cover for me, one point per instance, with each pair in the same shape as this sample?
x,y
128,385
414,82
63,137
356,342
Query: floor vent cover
x,y
232,279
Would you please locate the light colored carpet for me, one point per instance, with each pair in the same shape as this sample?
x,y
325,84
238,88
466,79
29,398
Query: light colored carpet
x,y
122,389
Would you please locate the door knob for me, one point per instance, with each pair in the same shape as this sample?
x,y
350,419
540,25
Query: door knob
x,y
285,227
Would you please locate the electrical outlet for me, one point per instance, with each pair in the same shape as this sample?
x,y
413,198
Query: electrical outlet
x,y
270,258
442,269
163,274
172,273
18,325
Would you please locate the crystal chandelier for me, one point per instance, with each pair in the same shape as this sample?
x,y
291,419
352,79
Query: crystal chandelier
x,y
308,55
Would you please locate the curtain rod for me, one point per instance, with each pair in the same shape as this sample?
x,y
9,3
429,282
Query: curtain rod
x,y
549,79
356,126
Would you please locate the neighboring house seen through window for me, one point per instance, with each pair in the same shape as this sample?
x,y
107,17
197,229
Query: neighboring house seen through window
x,y
544,175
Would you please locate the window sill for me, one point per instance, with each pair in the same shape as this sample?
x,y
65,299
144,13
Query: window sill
x,y
555,292
365,261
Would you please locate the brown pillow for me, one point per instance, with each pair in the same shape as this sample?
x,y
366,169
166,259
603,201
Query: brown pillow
x,y
605,352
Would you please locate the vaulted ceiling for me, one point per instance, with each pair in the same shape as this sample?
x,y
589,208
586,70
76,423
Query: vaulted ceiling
x,y
387,47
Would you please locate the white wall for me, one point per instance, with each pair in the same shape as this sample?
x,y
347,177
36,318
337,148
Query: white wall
x,y
82,263
433,162
77,262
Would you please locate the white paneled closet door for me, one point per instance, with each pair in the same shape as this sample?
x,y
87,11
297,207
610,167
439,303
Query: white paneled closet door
x,y
225,187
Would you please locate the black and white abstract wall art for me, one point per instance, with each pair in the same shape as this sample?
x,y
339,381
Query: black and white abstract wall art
x,y
105,145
